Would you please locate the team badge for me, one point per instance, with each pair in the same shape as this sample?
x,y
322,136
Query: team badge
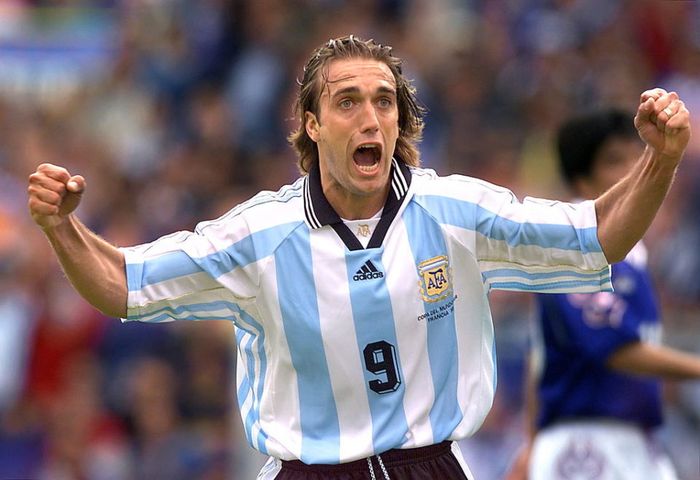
x,y
435,278
363,230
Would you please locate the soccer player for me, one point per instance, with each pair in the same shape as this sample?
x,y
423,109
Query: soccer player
x,y
597,358
359,292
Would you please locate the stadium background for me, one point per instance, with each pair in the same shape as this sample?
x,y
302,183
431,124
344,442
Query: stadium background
x,y
176,110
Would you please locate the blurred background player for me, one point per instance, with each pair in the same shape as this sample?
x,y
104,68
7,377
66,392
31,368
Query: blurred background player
x,y
597,362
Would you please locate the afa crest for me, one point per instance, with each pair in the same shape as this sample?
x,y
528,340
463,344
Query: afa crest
x,y
435,278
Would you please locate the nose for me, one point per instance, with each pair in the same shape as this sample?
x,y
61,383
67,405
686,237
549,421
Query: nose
x,y
369,122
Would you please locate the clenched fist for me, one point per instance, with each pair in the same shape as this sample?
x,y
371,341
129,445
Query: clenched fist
x,y
53,194
663,123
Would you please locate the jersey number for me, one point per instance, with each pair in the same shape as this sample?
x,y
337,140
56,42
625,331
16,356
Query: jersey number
x,y
380,359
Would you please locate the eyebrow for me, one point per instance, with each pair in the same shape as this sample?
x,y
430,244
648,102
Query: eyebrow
x,y
355,90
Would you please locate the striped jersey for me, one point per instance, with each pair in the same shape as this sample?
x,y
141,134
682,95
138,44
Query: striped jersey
x,y
577,333
344,351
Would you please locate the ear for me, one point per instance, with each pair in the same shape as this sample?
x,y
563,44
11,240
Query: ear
x,y
312,126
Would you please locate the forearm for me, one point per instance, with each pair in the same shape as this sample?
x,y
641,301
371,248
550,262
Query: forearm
x,y
625,211
530,393
94,267
645,359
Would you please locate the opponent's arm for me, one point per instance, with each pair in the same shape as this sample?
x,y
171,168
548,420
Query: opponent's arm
x,y
641,358
93,266
626,210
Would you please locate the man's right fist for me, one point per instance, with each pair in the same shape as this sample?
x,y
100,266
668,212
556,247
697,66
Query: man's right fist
x,y
53,194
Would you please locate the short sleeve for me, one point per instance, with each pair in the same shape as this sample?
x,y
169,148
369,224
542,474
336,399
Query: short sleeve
x,y
185,276
540,246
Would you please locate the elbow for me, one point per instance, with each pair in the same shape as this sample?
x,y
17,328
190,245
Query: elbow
x,y
615,249
113,302
615,257
613,254
629,359
114,310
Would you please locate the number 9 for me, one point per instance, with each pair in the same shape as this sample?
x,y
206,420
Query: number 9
x,y
380,359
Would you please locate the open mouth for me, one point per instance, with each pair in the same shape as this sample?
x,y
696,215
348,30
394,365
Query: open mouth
x,y
367,156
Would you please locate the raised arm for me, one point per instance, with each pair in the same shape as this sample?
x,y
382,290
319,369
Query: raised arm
x,y
626,210
93,266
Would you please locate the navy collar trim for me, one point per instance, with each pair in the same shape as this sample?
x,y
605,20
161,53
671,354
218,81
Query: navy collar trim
x,y
319,212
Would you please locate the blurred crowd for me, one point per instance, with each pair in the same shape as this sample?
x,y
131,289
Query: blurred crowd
x,y
177,110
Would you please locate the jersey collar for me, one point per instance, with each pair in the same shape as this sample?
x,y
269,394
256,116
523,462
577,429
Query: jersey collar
x,y
319,212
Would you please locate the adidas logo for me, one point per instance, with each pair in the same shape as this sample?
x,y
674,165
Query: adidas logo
x,y
367,272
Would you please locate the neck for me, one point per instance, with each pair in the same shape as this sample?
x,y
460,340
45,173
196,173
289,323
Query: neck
x,y
355,207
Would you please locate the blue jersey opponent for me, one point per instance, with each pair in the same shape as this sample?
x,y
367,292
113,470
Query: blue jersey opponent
x,y
578,334
597,361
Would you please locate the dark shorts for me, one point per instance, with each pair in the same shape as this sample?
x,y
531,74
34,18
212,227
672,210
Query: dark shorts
x,y
425,463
